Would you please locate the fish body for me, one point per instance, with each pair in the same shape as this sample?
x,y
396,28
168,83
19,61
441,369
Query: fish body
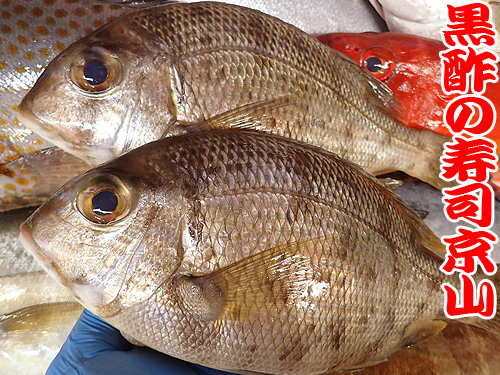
x,y
244,251
33,32
171,67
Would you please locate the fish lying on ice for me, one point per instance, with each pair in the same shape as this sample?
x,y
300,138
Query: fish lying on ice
x,y
245,251
33,32
163,70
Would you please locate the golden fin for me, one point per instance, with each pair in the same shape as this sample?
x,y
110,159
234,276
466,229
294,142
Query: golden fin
x,y
420,330
254,288
254,116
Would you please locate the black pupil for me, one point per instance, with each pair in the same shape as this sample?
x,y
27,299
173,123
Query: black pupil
x,y
374,64
104,202
95,72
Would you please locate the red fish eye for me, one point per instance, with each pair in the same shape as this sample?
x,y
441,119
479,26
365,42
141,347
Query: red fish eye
x,y
379,62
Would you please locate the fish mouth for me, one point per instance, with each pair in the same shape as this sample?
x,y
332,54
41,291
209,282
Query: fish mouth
x,y
29,243
30,120
49,133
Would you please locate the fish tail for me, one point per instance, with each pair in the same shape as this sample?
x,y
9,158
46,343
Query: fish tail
x,y
427,166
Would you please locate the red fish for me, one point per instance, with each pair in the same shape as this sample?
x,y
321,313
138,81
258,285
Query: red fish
x,y
411,67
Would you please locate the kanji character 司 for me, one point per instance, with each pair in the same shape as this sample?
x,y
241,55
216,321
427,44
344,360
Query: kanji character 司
x,y
480,301
470,24
473,203
468,158
466,249
460,66
462,110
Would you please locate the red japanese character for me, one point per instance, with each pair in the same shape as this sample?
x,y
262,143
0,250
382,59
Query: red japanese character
x,y
481,302
459,66
468,247
473,203
470,24
461,110
468,159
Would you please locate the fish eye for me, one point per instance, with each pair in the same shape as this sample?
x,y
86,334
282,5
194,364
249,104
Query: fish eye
x,y
374,64
95,70
379,62
104,201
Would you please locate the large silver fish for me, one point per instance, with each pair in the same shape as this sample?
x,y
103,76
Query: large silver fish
x,y
245,251
161,71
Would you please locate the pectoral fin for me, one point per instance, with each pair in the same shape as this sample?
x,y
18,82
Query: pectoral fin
x,y
255,116
254,288
420,330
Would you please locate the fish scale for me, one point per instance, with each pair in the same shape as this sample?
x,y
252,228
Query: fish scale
x,y
241,249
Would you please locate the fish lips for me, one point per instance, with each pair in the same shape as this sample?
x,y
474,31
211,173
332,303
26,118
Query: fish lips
x,y
29,243
49,133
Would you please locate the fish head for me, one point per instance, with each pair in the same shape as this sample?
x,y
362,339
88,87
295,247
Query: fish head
x,y
96,99
409,65
99,237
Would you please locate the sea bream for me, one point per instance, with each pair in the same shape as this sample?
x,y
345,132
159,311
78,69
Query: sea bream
x,y
245,251
163,70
